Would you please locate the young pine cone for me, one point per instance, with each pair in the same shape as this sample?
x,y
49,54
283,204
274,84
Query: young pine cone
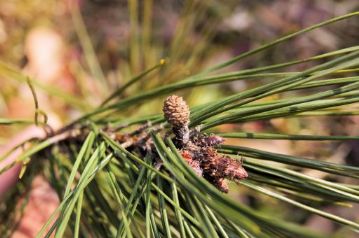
x,y
176,111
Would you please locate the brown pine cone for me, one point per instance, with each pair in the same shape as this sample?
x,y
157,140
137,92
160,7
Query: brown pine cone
x,y
216,167
176,111
231,168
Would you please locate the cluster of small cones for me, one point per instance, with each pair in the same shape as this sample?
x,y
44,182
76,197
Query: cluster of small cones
x,y
198,149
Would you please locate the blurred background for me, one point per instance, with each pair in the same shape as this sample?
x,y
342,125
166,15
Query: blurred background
x,y
78,52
